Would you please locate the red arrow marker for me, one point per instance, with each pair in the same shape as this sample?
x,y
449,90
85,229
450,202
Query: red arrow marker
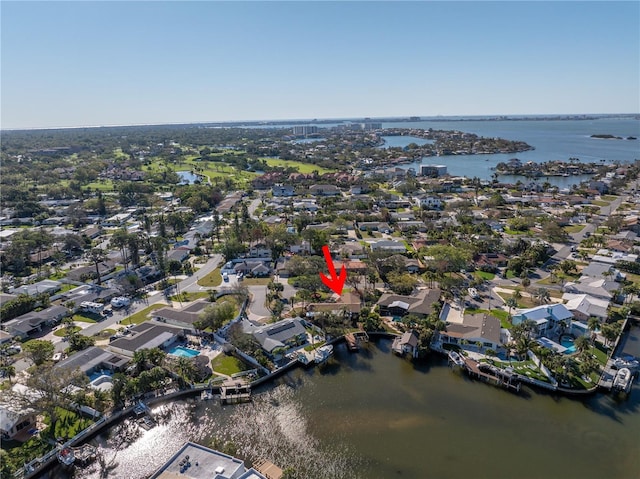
x,y
335,282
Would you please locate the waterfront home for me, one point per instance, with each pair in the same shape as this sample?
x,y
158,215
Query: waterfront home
x,y
283,334
472,329
94,359
546,317
421,303
583,306
147,335
193,461
406,344
16,422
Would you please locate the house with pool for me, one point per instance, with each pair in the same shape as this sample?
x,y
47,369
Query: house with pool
x,y
97,363
147,335
555,327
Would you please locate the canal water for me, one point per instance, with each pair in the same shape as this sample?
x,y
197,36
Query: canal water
x,y
373,415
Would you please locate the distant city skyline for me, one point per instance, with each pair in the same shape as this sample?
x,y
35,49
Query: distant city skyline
x,y
71,64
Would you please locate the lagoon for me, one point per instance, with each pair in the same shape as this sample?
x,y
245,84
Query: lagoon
x,y
401,141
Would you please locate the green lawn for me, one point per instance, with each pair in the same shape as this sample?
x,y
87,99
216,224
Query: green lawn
x,y
573,228
485,275
85,318
142,316
69,424
302,167
228,365
63,331
189,296
600,203
212,279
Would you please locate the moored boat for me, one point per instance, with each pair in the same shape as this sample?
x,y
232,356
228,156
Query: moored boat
x,y
323,353
66,457
456,358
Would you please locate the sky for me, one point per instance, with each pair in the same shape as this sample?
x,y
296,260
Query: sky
x,y
121,62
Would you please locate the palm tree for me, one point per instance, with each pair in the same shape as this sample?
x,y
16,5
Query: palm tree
x,y
542,295
582,343
511,303
593,323
140,359
97,256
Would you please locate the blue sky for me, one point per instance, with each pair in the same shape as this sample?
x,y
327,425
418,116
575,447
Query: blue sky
x,y
105,63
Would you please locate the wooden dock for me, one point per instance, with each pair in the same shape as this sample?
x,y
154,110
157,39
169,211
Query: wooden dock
x,y
234,393
491,374
268,469
354,339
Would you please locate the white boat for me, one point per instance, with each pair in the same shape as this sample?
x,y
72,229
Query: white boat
x,y
206,395
622,381
66,457
323,353
456,358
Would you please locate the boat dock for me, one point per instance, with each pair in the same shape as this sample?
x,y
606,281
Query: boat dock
x,y
234,393
354,339
607,376
491,374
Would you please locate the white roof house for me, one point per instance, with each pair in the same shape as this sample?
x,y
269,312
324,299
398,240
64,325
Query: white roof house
x,y
584,306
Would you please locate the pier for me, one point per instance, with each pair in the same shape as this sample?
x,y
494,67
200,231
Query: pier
x,y
234,393
491,374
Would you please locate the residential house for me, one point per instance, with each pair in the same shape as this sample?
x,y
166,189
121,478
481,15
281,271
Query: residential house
x,y
381,226
596,287
94,359
347,302
324,190
185,318
46,286
253,268
32,323
178,254
16,421
406,344
89,272
584,306
546,317
283,334
473,329
259,250
412,226
283,190
388,245
428,202
146,335
420,303
409,265
597,270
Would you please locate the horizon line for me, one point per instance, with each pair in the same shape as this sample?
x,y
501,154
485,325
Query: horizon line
x,y
404,118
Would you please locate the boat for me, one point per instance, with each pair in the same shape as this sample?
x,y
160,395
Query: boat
x,y
146,422
323,353
140,409
66,457
622,381
456,359
628,362
206,395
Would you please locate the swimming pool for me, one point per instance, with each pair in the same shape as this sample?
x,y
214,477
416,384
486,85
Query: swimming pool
x,y
183,352
96,374
568,342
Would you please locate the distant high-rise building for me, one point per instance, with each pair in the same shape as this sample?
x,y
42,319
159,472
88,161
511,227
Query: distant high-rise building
x,y
304,130
371,125
433,171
